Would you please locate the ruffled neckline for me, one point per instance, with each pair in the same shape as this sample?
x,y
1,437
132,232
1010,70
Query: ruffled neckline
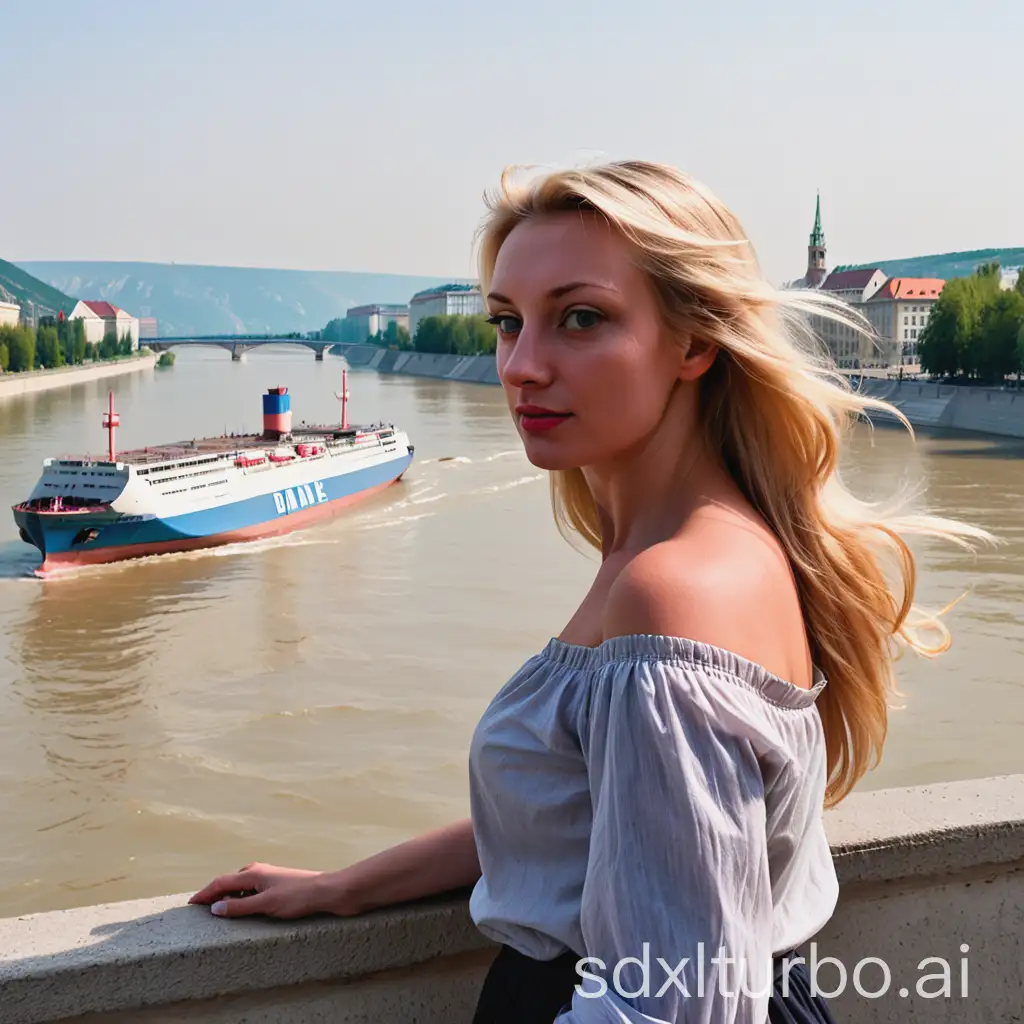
x,y
654,647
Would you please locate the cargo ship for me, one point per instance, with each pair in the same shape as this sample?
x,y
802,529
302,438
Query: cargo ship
x,y
206,492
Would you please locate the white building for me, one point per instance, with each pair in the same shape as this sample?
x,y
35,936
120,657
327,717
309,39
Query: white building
x,y
898,312
362,322
100,318
10,314
849,348
448,300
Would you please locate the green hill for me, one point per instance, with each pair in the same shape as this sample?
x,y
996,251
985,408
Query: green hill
x,y
946,265
18,286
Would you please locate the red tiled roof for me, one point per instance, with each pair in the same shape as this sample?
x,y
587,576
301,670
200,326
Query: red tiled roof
x,y
911,288
105,310
843,279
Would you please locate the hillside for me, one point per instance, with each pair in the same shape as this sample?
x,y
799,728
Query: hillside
x,y
187,299
18,286
946,265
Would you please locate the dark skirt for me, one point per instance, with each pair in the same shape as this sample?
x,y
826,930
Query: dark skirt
x,y
521,990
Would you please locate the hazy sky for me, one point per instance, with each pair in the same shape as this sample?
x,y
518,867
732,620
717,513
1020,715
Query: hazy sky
x,y
360,135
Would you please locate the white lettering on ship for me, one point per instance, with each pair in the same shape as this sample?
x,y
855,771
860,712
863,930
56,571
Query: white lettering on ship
x,y
302,496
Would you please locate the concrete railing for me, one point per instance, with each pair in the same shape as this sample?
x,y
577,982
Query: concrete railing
x,y
924,872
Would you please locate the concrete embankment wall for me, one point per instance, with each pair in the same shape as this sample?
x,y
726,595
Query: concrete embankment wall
x,y
977,410
13,384
923,871
940,406
471,369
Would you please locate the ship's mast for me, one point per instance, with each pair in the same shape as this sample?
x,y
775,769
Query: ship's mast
x,y
111,422
343,397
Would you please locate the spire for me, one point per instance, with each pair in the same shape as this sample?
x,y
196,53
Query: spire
x,y
817,235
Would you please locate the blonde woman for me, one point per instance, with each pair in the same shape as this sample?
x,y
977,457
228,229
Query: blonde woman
x,y
646,837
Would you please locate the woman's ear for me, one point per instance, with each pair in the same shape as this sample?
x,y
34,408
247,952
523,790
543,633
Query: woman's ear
x,y
699,357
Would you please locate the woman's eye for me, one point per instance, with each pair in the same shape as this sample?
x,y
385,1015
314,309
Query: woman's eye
x,y
582,319
505,324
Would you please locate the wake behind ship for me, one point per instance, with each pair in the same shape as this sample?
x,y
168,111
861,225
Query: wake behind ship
x,y
207,492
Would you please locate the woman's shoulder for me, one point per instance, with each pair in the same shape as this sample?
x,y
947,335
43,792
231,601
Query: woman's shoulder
x,y
720,583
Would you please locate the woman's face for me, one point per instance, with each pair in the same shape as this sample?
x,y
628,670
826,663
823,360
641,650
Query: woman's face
x,y
582,354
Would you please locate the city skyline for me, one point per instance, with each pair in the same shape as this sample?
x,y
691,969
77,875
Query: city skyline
x,y
229,137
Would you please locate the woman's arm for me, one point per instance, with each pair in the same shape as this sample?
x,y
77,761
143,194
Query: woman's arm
x,y
433,863
436,862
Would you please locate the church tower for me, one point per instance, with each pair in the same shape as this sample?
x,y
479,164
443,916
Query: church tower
x,y
816,272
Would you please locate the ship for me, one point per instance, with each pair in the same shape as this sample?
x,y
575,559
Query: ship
x,y
206,492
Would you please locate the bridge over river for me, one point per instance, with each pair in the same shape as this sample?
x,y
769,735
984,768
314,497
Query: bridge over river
x,y
237,344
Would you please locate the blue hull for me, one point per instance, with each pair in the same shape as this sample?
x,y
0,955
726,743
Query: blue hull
x,y
64,538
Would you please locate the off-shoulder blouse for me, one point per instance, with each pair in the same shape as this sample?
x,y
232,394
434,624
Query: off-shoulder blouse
x,y
652,797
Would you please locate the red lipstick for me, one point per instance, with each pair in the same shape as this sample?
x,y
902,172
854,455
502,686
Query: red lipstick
x,y
536,419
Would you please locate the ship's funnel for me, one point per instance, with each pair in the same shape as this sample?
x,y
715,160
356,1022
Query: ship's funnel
x,y
277,412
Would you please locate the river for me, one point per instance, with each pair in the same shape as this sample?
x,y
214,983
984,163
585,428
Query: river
x,y
309,700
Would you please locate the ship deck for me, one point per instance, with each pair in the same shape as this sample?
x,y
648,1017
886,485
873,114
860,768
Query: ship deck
x,y
226,444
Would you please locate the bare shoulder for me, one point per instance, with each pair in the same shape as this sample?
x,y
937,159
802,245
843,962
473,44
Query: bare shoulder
x,y
722,583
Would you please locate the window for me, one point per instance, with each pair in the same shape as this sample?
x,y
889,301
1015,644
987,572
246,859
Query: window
x,y
913,319
913,334
906,320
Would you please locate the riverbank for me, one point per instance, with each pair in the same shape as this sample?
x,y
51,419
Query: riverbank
x,y
951,407
930,923
940,406
32,381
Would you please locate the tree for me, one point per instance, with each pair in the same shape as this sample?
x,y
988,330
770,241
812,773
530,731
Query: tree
x,y
998,328
21,347
1019,283
48,351
124,347
430,335
456,334
5,356
484,335
80,347
108,346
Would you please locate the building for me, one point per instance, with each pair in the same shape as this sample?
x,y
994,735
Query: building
x,y
448,300
849,347
362,322
148,327
101,318
10,314
898,312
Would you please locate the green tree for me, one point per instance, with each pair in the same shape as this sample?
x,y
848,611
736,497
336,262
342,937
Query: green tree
x,y
995,340
109,344
458,337
484,335
21,347
5,356
48,351
430,335
124,347
80,346
457,334
1019,283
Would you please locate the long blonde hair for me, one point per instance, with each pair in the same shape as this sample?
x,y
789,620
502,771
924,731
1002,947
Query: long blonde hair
x,y
775,407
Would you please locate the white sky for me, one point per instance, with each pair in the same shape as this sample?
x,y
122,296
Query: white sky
x,y
336,135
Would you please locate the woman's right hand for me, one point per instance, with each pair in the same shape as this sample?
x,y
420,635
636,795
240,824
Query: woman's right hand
x,y
286,893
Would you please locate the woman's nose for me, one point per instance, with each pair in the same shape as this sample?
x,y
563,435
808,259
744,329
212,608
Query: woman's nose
x,y
527,362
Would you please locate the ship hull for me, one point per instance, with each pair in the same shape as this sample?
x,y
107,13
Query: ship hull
x,y
63,542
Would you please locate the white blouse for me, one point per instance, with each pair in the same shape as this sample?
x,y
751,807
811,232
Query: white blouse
x,y
653,797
